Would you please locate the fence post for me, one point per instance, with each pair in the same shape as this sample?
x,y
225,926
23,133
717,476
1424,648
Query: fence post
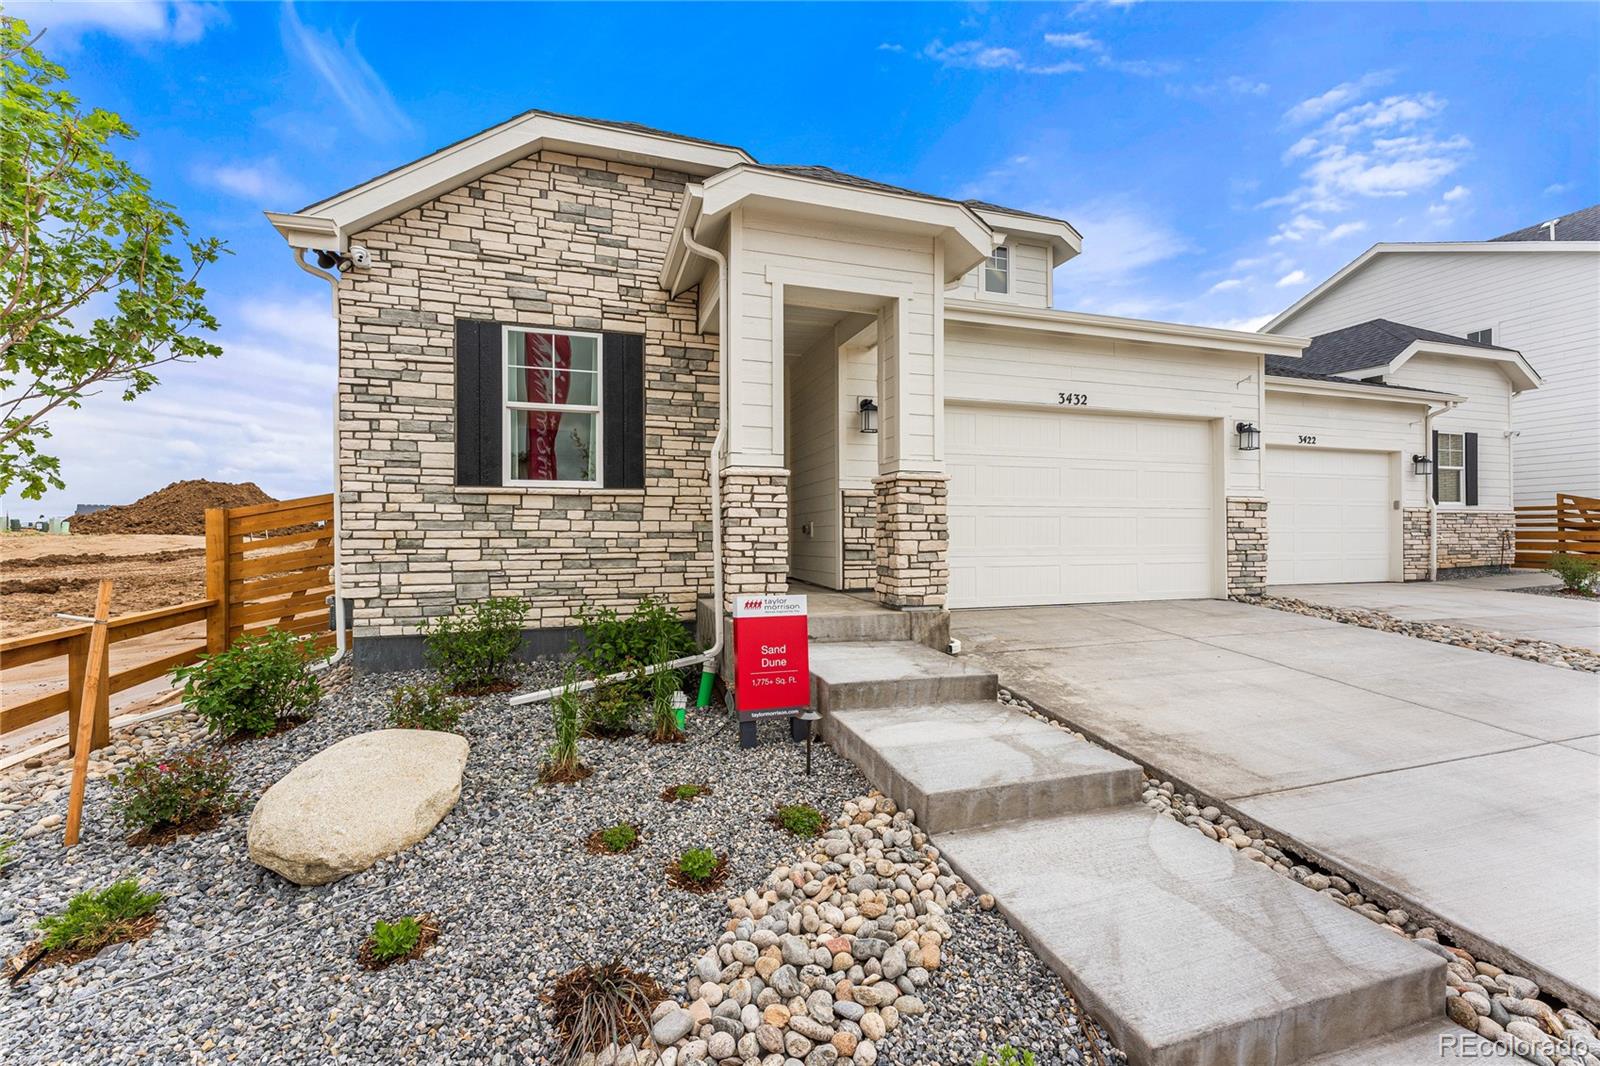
x,y
217,579
95,689
77,674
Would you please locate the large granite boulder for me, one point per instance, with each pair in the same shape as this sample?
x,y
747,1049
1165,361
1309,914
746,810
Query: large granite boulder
x,y
364,798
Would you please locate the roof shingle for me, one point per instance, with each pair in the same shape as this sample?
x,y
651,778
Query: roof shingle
x,y
1361,347
1583,225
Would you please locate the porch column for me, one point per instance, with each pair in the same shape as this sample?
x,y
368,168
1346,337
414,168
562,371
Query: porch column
x,y
913,539
755,531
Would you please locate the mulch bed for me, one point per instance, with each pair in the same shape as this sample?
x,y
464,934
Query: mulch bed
x,y
282,726
566,777
166,834
597,846
486,690
35,957
670,793
676,879
430,933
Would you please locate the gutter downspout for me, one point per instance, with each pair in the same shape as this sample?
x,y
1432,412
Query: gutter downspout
x,y
1433,504
707,659
339,620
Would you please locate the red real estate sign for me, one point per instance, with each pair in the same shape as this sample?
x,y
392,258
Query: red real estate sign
x,y
772,671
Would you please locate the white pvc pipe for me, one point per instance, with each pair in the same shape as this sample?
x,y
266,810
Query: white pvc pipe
x,y
708,657
339,621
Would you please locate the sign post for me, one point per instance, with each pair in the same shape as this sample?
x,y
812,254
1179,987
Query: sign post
x,y
772,662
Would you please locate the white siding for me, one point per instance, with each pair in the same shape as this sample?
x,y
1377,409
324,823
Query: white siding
x,y
1030,369
1338,424
1030,278
1486,412
813,463
1544,304
858,377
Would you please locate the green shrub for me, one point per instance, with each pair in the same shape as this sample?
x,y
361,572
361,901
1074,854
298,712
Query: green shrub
x,y
613,643
567,721
612,709
423,707
619,837
164,793
253,686
800,819
698,864
1006,1055
664,684
474,649
94,919
1576,573
686,792
393,940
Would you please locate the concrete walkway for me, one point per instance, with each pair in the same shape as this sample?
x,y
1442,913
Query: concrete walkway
x,y
1464,782
1477,603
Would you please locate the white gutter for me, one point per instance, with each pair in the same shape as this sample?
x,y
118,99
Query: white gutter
x,y
1433,504
708,658
339,620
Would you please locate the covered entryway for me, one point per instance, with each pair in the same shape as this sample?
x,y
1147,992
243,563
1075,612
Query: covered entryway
x,y
1330,516
1051,506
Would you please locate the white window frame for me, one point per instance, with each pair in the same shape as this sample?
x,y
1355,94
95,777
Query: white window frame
x,y
1439,464
507,406
988,264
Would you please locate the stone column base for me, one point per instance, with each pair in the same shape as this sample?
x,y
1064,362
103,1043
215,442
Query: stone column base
x,y
1476,538
1414,556
858,511
1247,546
913,539
755,531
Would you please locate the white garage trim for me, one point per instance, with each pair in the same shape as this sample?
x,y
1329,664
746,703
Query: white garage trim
x,y
1331,515
1059,506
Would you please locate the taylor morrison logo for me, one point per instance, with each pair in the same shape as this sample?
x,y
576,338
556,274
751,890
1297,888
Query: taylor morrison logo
x,y
752,604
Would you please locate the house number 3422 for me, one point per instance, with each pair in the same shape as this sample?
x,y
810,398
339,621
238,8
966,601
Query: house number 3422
x,y
1307,438
1072,399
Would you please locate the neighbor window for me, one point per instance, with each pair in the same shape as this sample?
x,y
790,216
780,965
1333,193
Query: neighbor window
x,y
997,271
1450,464
1482,336
552,401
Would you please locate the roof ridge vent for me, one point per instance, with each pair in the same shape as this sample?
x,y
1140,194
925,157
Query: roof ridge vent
x,y
1551,226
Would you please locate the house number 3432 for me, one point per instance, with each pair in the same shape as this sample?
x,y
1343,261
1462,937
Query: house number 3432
x,y
1072,399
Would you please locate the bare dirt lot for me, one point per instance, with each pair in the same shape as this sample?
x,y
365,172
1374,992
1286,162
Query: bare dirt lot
x,y
41,575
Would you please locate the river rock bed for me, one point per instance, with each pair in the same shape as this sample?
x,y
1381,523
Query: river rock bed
x,y
246,966
1540,651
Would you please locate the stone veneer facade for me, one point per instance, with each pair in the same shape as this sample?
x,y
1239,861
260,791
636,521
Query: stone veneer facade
x,y
1415,536
859,511
1475,538
755,531
1247,546
913,539
550,241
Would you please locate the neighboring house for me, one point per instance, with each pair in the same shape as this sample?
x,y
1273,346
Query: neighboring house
x,y
1535,290
544,328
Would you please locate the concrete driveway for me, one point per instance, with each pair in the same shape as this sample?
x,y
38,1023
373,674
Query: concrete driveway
x,y
1478,603
1465,781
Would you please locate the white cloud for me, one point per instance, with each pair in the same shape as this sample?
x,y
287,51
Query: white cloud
x,y
1342,230
888,46
1296,229
1120,239
1250,324
1294,277
1141,68
1246,86
1559,187
1085,41
131,20
1460,192
346,74
263,182
1336,97
977,55
1225,285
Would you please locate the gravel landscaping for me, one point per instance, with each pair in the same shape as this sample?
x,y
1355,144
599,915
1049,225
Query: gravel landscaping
x,y
247,965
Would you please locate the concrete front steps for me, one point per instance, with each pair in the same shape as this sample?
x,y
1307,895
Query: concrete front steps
x,y
1186,952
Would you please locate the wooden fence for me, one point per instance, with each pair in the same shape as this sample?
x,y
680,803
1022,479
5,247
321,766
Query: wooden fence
x,y
1571,526
267,566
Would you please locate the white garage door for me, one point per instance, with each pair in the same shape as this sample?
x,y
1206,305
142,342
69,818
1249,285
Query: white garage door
x,y
1329,516
1064,507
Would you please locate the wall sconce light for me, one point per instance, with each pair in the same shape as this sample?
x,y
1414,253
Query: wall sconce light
x,y
1421,465
1249,436
869,415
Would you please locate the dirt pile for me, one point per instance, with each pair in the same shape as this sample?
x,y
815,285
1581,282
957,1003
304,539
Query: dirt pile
x,y
180,508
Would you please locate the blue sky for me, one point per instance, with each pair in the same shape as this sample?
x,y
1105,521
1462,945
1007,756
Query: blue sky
x,y
1220,159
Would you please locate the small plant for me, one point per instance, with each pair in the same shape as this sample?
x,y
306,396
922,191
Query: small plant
x,y
664,685
567,719
1006,1055
189,790
474,648
698,864
684,793
598,1007
396,941
6,858
424,707
256,686
800,819
94,919
1577,574
611,709
613,644
615,839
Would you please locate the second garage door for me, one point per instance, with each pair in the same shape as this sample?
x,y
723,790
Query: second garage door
x,y
1329,516
1065,507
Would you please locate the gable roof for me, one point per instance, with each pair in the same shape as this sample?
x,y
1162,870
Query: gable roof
x,y
1583,225
1366,346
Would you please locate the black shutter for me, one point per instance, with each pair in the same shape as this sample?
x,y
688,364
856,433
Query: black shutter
x,y
622,408
478,407
1435,466
1470,475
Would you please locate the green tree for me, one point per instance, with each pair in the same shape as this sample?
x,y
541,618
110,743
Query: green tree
x,y
97,276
